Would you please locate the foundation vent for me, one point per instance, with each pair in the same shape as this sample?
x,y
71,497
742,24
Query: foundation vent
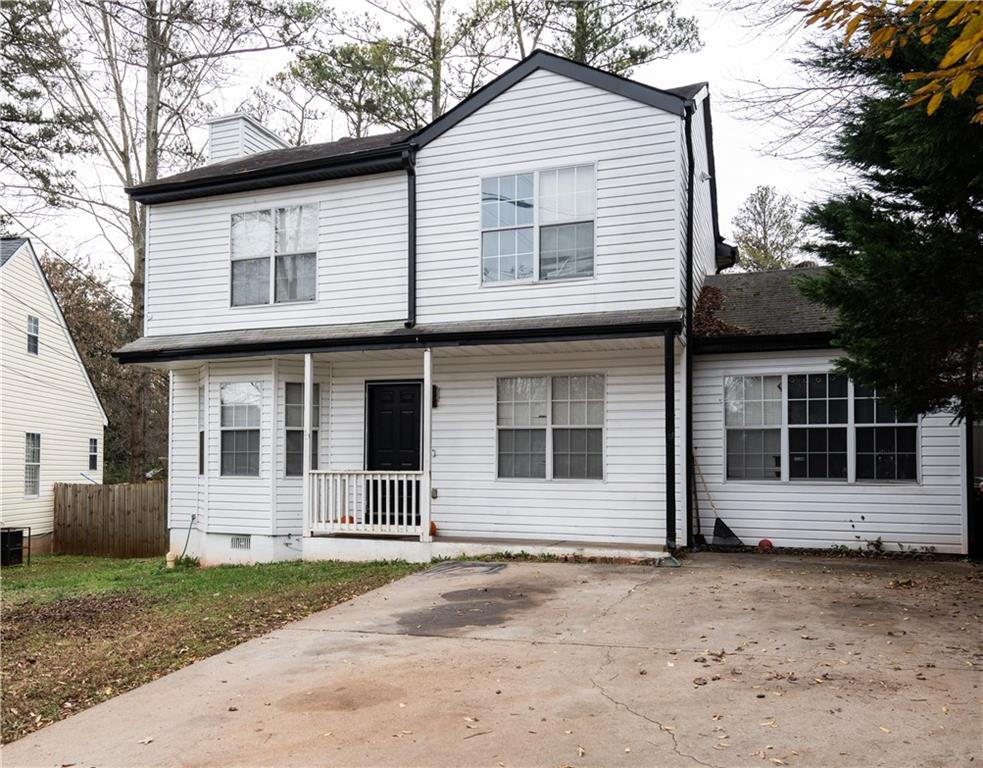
x,y
239,542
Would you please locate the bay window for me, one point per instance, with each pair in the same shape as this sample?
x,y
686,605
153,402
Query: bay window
x,y
551,427
538,226
274,255
241,404
816,426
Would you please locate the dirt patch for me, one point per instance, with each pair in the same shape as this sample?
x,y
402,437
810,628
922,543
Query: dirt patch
x,y
481,607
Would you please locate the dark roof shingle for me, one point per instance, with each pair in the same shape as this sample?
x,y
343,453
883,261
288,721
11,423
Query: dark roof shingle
x,y
759,304
9,246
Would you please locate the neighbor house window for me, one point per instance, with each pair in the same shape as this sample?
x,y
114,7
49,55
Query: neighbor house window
x,y
93,454
563,213
240,425
886,440
753,422
274,255
817,419
32,464
294,419
551,427
33,334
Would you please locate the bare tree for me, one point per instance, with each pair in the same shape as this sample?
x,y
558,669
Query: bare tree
x,y
137,73
768,230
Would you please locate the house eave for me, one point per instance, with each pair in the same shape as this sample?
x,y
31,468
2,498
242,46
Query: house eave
x,y
709,345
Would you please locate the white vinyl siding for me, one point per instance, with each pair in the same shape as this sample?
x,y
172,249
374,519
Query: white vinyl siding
x,y
66,414
543,123
361,258
821,513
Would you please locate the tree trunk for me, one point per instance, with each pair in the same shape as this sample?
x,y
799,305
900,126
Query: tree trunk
x,y
138,219
581,30
436,61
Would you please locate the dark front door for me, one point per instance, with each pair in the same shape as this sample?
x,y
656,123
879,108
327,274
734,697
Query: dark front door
x,y
393,431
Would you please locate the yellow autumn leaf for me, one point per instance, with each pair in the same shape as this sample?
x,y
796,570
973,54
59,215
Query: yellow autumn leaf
x,y
962,82
934,103
852,27
947,9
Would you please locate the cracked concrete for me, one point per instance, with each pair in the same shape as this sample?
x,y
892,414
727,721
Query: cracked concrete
x,y
729,660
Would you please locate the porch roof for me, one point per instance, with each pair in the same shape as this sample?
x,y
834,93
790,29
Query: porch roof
x,y
393,334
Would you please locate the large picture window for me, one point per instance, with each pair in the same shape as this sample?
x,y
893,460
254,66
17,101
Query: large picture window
x,y
294,421
551,427
274,255
241,407
815,426
513,250
753,422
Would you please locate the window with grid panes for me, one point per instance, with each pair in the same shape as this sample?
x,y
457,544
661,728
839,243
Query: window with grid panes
x,y
578,427
886,441
817,425
753,422
294,420
521,407
241,406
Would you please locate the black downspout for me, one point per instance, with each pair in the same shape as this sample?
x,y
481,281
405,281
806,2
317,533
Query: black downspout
x,y
409,163
688,436
669,342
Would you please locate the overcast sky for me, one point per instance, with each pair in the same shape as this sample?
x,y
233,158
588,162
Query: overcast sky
x,y
732,55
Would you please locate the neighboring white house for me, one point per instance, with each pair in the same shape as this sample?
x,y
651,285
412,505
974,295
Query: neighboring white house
x,y
482,324
51,420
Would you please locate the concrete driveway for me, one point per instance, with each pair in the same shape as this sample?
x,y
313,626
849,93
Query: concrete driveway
x,y
729,660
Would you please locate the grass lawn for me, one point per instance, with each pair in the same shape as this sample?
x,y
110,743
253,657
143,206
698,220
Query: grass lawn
x,y
79,630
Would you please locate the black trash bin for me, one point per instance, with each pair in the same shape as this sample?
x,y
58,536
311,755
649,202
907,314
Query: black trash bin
x,y
11,546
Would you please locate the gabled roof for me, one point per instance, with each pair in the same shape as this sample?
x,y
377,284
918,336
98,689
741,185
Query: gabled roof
x,y
390,151
9,246
754,310
12,245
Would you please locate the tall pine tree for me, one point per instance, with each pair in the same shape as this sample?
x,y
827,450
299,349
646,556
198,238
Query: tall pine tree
x,y
906,245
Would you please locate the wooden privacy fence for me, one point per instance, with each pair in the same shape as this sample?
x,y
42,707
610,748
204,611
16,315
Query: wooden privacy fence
x,y
117,520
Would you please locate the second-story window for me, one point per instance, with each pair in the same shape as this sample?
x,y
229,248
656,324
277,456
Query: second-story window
x,y
274,255
538,226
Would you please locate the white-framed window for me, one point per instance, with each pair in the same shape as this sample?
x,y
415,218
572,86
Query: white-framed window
x,y
93,454
538,225
201,430
274,255
887,442
241,412
817,426
294,423
753,427
550,427
32,464
814,426
33,335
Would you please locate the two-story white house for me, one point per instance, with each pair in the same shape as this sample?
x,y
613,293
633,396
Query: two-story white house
x,y
469,338
51,420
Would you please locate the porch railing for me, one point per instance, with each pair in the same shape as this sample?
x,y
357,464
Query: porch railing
x,y
366,502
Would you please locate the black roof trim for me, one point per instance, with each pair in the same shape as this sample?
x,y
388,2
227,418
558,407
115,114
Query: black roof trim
x,y
407,338
379,160
725,254
669,101
708,345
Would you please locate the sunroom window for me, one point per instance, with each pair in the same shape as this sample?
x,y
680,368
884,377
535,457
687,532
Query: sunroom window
x,y
886,440
274,255
753,421
817,419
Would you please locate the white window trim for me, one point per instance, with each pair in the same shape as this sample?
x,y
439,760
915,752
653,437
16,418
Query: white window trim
x,y
315,429
851,459
93,455
36,335
549,430
31,464
272,302
535,279
222,429
783,429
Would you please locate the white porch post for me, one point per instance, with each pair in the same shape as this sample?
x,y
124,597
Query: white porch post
x,y
308,397
425,449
